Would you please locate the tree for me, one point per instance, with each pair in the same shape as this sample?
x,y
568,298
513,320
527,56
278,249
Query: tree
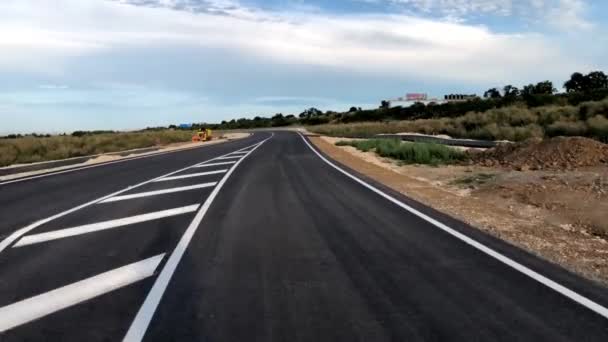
x,y
311,112
583,83
492,93
510,91
575,83
545,87
385,104
596,80
352,109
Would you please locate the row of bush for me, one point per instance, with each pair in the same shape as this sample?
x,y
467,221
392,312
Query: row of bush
x,y
515,123
31,149
313,116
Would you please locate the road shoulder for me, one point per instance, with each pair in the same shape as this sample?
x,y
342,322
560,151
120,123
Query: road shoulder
x,y
579,253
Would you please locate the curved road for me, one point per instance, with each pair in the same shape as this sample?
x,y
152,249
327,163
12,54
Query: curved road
x,y
264,239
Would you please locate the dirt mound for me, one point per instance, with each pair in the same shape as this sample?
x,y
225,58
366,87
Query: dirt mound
x,y
559,153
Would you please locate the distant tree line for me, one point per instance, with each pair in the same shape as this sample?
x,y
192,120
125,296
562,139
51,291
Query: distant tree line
x,y
579,88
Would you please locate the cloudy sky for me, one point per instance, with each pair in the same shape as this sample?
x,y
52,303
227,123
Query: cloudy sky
x,y
124,64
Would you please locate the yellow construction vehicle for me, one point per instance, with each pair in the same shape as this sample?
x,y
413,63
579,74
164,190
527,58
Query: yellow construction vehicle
x,y
202,135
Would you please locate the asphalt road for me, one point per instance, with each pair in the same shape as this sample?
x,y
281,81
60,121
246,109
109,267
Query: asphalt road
x,y
263,240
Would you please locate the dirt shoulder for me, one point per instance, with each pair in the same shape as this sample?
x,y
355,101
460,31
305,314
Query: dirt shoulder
x,y
560,216
114,156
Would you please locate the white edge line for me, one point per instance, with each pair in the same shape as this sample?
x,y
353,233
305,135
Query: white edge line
x,y
191,175
20,232
159,192
584,301
47,303
140,323
99,226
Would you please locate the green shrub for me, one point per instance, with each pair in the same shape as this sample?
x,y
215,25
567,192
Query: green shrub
x,y
593,108
566,128
409,153
598,128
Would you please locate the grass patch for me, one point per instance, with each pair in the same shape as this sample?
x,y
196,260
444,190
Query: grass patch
x,y
31,149
408,153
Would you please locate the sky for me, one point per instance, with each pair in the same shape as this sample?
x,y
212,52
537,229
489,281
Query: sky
x,y
125,64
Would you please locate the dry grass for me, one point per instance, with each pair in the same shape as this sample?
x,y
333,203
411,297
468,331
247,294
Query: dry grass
x,y
31,149
515,123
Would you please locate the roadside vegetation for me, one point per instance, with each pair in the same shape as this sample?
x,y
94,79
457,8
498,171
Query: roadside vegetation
x,y
592,87
30,149
515,123
408,153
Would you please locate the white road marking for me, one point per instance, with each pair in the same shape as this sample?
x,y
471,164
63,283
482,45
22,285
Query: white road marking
x,y
216,164
33,308
146,312
240,152
191,175
229,157
20,232
95,227
584,301
159,192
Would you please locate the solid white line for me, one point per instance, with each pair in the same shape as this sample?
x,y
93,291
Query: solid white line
x,y
95,227
584,301
30,309
200,174
229,157
146,312
159,192
216,164
19,233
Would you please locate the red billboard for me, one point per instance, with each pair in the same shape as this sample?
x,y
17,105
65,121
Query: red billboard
x,y
416,97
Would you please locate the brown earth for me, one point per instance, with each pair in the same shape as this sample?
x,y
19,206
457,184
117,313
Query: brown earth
x,y
561,216
561,153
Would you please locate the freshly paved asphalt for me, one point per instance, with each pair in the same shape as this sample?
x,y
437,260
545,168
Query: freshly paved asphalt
x,y
289,250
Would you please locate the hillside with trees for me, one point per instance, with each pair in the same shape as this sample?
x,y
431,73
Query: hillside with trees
x,y
579,88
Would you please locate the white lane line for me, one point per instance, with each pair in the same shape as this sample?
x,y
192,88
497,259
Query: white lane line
x,y
229,157
146,311
95,227
30,309
584,301
191,175
20,232
216,164
159,192
240,152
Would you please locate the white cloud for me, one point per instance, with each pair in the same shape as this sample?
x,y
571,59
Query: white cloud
x,y
569,15
560,14
44,36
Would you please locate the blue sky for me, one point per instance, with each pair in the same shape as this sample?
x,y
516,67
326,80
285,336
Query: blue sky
x,y
127,64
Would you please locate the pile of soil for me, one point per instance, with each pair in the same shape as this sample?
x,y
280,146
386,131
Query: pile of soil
x,y
560,153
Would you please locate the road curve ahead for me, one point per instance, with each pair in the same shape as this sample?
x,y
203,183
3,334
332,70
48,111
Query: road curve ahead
x,y
265,240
